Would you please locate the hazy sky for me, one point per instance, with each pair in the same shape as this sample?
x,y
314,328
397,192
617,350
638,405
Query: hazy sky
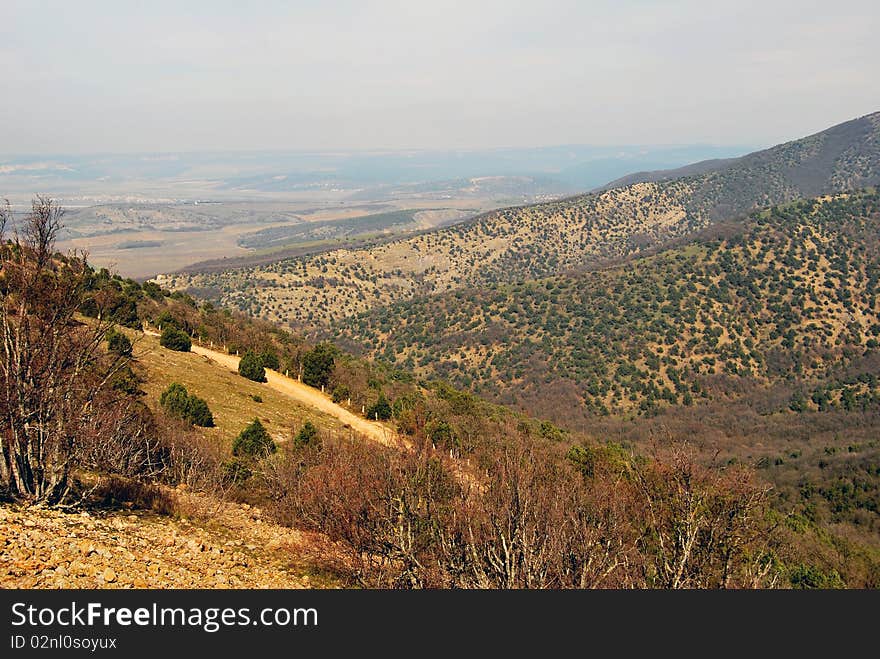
x,y
126,76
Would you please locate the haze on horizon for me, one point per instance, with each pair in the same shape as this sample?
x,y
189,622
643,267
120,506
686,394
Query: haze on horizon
x,y
114,77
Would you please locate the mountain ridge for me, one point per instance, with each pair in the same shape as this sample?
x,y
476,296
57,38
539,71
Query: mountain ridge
x,y
530,242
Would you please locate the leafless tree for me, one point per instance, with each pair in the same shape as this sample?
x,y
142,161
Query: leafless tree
x,y
48,373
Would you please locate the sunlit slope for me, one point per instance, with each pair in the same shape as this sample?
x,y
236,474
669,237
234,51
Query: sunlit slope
x,y
530,242
790,295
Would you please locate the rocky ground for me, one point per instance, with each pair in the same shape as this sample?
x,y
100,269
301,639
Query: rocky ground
x,y
217,545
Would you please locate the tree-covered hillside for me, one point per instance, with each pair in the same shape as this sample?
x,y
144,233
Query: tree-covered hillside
x,y
790,295
517,244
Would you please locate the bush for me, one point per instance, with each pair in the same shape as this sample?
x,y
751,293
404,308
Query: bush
x,y
177,402
236,471
198,414
380,410
340,393
175,339
318,365
270,360
253,441
118,343
307,436
251,367
174,400
166,319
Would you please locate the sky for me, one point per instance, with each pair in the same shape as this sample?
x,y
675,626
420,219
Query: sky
x,y
126,76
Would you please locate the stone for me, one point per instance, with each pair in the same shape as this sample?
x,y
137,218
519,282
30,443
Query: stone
x,y
109,575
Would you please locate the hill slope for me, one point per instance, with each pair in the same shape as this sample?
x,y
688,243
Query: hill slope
x,y
841,157
790,294
535,241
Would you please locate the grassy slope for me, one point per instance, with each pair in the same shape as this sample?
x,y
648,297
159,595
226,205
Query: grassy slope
x,y
227,393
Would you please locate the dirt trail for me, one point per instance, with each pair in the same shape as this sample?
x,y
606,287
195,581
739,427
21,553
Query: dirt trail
x,y
307,395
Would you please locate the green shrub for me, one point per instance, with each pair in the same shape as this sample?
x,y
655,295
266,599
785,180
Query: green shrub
x,y
175,339
198,414
251,367
152,290
307,436
270,360
177,402
809,577
253,441
118,343
380,410
340,393
236,471
318,365
165,319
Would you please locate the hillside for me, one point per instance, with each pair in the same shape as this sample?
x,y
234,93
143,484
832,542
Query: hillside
x,y
206,544
530,242
790,295
839,158
169,488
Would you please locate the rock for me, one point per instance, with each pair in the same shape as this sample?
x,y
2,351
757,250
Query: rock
x,y
61,571
109,575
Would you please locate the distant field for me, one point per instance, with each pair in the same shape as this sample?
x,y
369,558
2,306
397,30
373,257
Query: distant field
x,y
394,221
139,244
141,240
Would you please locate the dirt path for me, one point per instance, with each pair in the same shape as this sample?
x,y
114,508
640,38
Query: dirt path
x,y
307,395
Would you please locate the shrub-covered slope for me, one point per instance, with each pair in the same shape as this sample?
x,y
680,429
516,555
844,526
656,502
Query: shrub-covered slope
x,y
790,295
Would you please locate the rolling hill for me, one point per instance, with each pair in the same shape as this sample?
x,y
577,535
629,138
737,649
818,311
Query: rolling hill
x,y
522,243
790,295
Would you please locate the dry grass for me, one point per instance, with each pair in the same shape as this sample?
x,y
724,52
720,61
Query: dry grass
x,y
229,395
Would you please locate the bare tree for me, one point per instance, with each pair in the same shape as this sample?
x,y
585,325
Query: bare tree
x,y
48,373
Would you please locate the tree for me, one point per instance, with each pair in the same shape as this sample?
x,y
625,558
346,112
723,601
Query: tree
x,y
174,400
175,339
198,413
178,402
118,343
251,367
380,410
253,441
340,393
270,360
53,372
318,365
307,436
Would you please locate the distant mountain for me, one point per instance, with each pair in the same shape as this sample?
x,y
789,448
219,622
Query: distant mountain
x,y
844,157
695,169
370,175
529,242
